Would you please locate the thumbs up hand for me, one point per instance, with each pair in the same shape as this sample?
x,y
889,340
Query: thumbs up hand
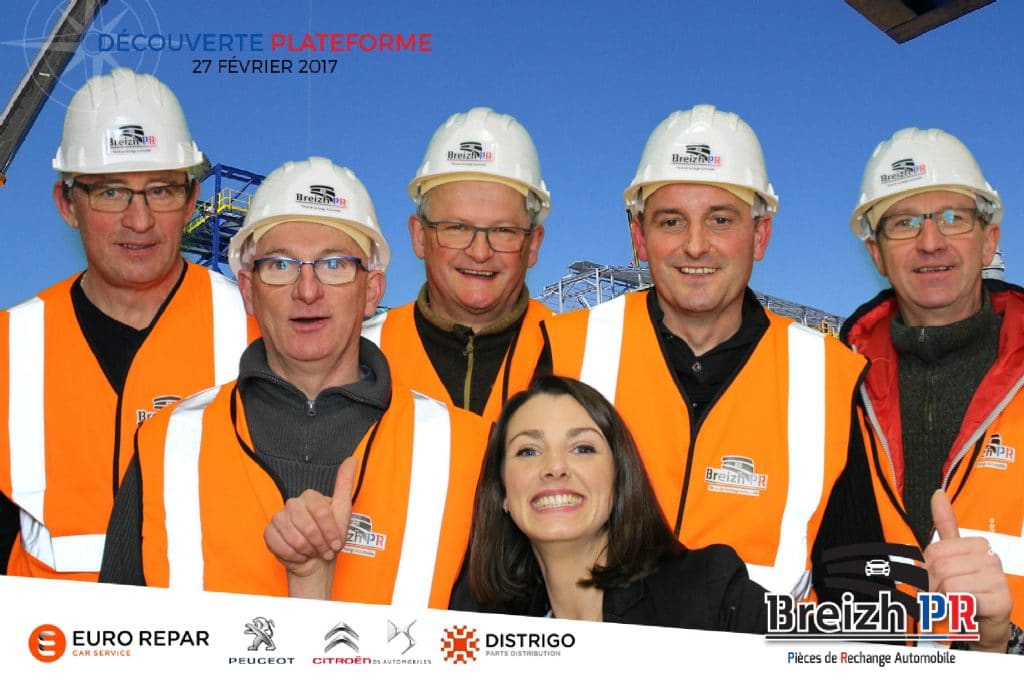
x,y
307,534
968,565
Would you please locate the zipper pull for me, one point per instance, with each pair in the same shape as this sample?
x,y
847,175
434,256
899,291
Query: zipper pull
x,y
310,407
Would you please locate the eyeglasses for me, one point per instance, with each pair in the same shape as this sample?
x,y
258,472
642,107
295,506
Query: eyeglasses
x,y
950,221
329,270
460,235
166,197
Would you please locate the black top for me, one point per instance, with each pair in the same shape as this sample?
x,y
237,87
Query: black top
x,y
467,363
702,378
694,589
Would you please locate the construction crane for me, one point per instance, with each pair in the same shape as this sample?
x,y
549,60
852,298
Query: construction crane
x,y
42,75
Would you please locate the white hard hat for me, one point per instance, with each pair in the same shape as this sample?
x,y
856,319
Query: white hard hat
x,y
485,145
917,160
314,190
126,122
703,145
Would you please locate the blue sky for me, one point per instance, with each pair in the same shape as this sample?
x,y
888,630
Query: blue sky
x,y
818,83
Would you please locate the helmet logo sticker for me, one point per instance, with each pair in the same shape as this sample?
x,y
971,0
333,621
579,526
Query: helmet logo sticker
x,y
903,170
471,153
130,138
696,156
321,195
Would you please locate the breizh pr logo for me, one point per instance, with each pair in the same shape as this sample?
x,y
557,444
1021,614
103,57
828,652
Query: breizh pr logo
x,y
130,138
735,474
902,170
321,195
871,607
996,454
696,156
471,152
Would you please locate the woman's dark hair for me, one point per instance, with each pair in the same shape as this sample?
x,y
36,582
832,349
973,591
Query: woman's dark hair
x,y
502,566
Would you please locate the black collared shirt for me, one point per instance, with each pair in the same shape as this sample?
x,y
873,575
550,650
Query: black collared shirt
x,y
701,379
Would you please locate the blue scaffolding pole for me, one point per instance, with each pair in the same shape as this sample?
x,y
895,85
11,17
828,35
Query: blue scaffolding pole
x,y
219,217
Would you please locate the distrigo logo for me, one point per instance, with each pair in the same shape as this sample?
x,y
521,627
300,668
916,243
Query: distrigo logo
x,y
471,152
902,170
527,644
321,195
884,619
47,643
130,138
735,475
459,645
697,155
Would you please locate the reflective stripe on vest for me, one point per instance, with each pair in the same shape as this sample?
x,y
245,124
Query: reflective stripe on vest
x,y
806,433
604,346
181,492
81,553
230,328
1010,549
372,327
431,452
806,437
430,464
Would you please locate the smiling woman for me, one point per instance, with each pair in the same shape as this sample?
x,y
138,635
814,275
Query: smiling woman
x,y
565,524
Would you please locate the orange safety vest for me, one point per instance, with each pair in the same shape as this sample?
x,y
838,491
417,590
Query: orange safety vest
x,y
981,475
758,474
203,518
66,437
395,333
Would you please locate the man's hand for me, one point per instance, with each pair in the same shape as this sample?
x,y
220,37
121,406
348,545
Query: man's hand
x,y
308,533
968,565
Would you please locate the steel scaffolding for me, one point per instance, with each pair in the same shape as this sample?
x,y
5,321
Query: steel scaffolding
x,y
219,217
588,284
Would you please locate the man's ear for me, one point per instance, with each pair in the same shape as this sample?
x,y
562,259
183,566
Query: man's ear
x,y
66,208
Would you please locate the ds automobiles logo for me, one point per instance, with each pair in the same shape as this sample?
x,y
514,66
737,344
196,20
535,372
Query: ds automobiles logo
x,y
47,643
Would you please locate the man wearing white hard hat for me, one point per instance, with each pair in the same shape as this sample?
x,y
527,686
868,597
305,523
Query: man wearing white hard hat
x,y
313,474
742,417
942,412
471,338
88,359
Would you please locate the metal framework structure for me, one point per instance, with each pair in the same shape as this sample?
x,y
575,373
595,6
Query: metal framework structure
x,y
41,76
588,284
219,217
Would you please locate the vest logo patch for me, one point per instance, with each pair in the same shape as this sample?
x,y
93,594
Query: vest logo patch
x,y
362,539
158,404
996,455
735,475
